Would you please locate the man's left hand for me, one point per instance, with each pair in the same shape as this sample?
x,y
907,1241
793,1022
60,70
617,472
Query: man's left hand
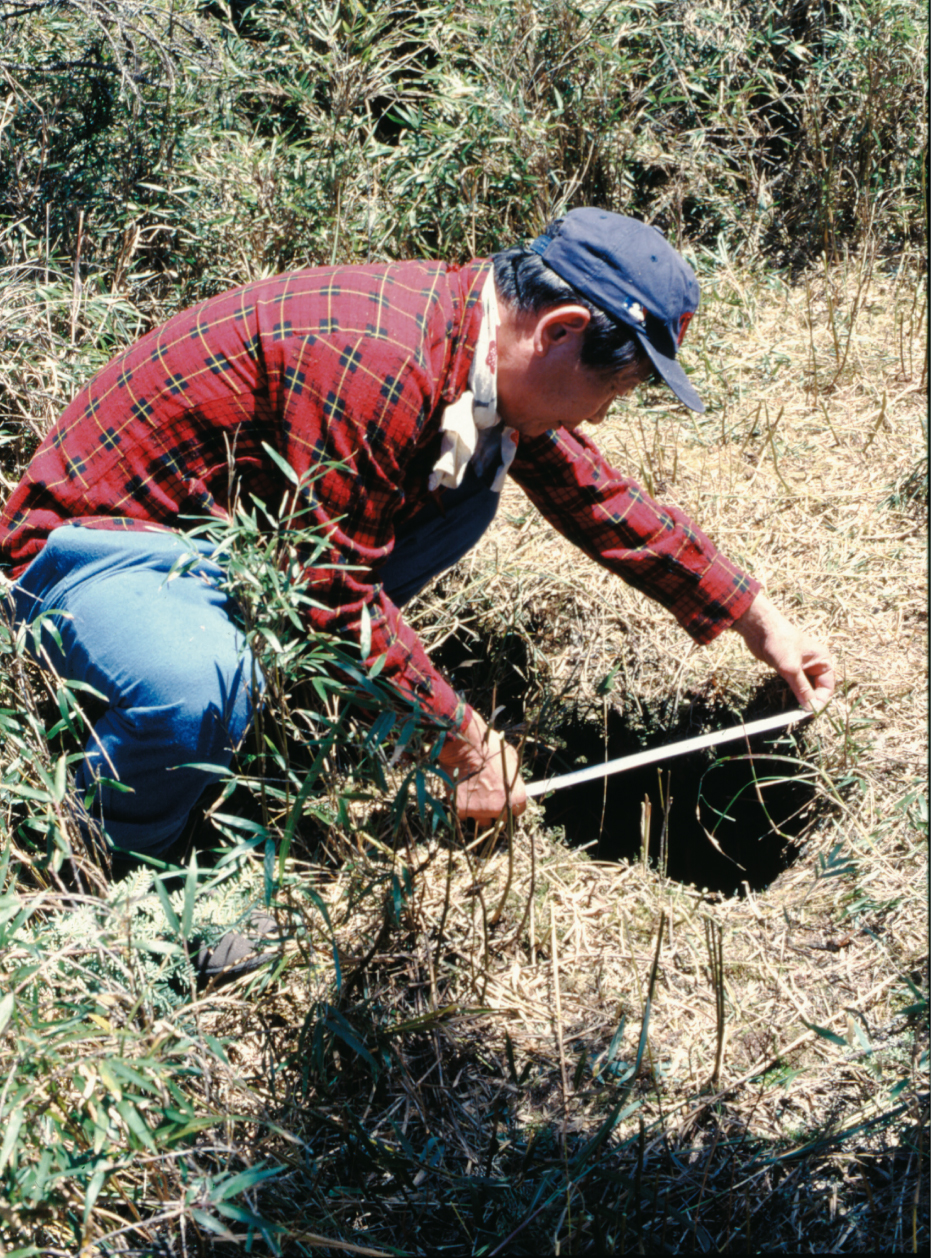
x,y
802,662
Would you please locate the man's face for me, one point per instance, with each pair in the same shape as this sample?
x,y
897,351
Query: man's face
x,y
566,394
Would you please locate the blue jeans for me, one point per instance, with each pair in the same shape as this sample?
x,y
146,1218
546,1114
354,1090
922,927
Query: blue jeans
x,y
171,660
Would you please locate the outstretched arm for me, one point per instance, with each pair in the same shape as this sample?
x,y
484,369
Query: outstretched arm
x,y
798,659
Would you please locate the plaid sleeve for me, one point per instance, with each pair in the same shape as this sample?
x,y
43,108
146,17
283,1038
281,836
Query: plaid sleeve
x,y
655,549
406,664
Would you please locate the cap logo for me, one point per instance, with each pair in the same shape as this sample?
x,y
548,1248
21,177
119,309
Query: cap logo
x,y
636,311
684,322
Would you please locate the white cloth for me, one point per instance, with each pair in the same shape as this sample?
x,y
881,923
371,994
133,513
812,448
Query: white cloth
x,y
471,427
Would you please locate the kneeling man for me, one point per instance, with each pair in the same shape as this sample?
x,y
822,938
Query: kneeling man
x,y
416,388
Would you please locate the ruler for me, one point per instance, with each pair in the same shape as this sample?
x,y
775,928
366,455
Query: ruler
x,y
640,758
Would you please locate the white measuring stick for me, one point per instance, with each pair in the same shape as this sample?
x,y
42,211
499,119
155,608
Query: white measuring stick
x,y
639,758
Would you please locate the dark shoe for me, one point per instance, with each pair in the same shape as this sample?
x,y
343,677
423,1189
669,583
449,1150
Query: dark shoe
x,y
236,954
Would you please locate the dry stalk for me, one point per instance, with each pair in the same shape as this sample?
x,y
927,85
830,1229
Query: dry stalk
x,y
557,1000
714,938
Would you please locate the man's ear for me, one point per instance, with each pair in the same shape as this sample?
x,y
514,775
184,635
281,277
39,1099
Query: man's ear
x,y
557,325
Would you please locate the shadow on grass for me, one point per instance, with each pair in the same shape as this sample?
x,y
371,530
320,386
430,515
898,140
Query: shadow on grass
x,y
428,1142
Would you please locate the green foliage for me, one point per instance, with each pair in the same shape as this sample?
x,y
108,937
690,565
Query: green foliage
x,y
155,153
106,1058
143,936
160,143
326,714
97,1074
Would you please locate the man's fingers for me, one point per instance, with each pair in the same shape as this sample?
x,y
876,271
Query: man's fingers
x,y
798,684
802,662
487,790
812,697
485,808
517,798
821,696
478,801
822,675
824,682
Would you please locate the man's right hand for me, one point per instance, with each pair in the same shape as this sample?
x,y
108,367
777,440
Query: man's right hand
x,y
803,663
486,771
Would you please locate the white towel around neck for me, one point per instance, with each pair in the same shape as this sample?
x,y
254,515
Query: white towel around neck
x,y
470,426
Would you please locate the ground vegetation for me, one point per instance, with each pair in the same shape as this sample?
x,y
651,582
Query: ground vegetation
x,y
496,1042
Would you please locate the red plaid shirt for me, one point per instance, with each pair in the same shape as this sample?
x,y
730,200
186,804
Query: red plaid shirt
x,y
349,367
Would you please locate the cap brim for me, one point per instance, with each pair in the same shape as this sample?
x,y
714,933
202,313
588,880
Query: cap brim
x,y
672,374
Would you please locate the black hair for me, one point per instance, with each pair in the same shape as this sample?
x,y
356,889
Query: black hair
x,y
525,282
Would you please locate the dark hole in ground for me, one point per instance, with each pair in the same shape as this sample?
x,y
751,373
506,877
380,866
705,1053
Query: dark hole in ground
x,y
756,806
713,789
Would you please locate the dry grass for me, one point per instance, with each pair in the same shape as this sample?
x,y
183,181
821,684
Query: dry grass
x,y
815,423
498,986
509,988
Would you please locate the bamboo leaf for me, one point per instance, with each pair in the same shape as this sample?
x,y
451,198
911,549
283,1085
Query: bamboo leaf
x,y
212,1225
831,1036
171,916
13,1124
282,465
6,1010
243,1181
190,894
94,1185
136,1124
365,632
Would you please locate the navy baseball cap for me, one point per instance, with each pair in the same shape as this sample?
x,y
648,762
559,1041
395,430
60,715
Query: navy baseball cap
x,y
631,272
